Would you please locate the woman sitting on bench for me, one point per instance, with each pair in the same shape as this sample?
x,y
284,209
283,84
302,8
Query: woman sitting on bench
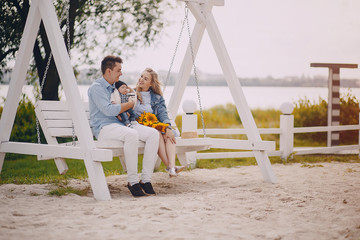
x,y
150,100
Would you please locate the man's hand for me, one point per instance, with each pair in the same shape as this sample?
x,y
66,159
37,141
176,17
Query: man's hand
x,y
132,99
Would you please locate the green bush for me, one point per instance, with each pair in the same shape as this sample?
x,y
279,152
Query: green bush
x,y
216,117
24,129
307,114
349,115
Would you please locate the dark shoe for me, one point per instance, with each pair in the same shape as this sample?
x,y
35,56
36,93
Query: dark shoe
x,y
147,187
136,190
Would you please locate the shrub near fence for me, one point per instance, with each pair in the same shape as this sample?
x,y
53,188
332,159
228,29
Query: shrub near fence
x,y
24,129
307,114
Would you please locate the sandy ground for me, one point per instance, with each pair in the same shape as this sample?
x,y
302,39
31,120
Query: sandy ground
x,y
321,202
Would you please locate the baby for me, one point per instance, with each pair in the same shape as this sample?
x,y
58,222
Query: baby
x,y
122,95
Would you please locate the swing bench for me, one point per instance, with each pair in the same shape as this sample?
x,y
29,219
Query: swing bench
x,y
56,121
70,119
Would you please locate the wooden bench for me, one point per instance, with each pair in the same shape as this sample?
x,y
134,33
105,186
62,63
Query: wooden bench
x,y
56,121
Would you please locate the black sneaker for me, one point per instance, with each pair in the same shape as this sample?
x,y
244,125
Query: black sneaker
x,y
136,190
147,187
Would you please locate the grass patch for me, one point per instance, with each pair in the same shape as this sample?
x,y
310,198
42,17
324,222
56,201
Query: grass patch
x,y
28,170
61,191
350,170
311,165
34,194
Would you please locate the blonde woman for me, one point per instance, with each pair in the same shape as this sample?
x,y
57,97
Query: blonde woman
x,y
150,99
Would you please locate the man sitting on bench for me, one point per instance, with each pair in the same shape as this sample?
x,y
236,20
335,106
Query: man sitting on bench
x,y
106,126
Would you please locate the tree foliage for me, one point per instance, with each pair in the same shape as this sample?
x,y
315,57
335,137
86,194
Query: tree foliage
x,y
95,26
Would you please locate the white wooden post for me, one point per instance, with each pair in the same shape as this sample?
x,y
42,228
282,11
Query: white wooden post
x,y
359,130
18,75
287,130
189,130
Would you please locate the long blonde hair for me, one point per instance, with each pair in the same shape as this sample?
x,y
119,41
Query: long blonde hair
x,y
155,84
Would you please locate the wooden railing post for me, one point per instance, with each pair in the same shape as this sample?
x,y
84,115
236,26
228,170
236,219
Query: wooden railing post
x,y
189,130
359,129
287,130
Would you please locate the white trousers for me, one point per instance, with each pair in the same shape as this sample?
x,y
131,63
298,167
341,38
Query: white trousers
x,y
131,137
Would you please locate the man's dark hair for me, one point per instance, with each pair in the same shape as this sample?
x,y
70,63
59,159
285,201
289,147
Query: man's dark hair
x,y
109,62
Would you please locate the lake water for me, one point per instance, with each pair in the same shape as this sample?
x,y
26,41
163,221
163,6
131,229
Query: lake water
x,y
257,97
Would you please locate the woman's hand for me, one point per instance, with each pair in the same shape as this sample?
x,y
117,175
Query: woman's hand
x,y
169,135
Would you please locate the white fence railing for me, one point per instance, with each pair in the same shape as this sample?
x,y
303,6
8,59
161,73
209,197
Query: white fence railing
x,y
286,132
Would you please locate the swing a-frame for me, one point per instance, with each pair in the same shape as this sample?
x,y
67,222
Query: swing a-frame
x,y
71,115
201,9
45,11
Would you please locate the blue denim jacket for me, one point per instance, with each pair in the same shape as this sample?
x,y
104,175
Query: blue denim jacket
x,y
159,108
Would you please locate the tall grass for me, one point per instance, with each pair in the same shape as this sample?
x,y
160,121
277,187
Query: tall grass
x,y
306,114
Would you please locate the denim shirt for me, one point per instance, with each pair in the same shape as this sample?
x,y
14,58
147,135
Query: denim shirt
x,y
159,109
102,111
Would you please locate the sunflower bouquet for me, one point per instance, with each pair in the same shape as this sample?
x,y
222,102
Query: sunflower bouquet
x,y
150,120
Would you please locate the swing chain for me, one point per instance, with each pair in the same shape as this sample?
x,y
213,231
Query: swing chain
x,y
68,27
73,133
41,88
68,46
176,48
195,73
47,69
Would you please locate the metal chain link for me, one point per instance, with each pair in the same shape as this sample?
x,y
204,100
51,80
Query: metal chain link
x,y
68,27
176,48
195,74
41,87
68,48
47,69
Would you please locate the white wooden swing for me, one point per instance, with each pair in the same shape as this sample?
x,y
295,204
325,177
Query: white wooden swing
x,y
63,118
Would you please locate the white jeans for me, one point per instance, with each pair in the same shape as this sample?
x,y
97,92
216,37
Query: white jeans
x,y
131,137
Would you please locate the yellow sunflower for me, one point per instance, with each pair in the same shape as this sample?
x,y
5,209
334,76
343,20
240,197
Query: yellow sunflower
x,y
160,126
150,120
151,117
140,119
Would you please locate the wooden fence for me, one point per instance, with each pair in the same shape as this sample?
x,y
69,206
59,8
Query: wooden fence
x,y
286,132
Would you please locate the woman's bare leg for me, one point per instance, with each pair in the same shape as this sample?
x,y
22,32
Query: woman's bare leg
x,y
170,152
162,151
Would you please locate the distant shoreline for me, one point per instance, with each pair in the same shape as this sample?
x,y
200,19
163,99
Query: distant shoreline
x,y
256,96
87,76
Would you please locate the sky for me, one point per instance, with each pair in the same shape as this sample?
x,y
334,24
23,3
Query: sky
x,y
277,38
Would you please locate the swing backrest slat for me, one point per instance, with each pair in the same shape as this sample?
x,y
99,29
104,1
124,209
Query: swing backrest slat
x,y
57,117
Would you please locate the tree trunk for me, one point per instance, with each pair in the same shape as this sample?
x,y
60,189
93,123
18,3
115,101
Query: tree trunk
x,y
50,89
